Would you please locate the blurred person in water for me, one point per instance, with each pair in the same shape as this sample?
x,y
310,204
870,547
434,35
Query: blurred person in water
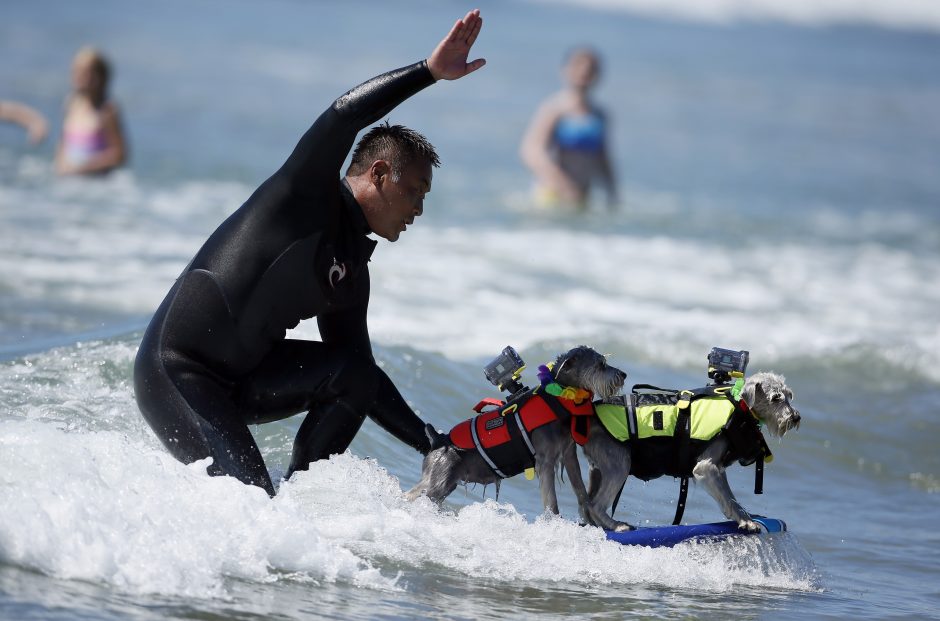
x,y
566,144
26,117
93,139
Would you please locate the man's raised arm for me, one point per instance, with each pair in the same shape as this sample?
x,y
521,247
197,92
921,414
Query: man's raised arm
x,y
325,145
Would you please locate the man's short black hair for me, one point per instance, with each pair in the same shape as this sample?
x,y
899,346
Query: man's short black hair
x,y
396,144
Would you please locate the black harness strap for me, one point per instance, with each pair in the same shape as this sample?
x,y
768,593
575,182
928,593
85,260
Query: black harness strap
x,y
763,452
759,466
680,506
683,433
557,408
759,476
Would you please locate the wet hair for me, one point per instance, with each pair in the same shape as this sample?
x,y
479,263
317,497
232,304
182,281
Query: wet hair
x,y
99,66
582,50
396,144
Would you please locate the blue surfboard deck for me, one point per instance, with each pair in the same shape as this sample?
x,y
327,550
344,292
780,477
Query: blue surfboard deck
x,y
668,536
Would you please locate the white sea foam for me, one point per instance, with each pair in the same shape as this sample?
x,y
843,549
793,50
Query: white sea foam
x,y
111,245
468,295
107,508
492,540
915,14
115,248
90,494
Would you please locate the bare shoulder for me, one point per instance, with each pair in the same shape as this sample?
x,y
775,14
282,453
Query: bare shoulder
x,y
551,108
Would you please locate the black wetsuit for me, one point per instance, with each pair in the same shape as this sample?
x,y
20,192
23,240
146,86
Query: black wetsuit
x,y
215,359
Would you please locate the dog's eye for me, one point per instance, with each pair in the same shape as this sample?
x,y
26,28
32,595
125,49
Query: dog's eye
x,y
776,398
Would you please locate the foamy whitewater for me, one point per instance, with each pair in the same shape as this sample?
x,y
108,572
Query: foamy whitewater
x,y
780,196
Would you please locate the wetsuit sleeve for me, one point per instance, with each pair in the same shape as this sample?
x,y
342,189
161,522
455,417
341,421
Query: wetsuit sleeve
x,y
390,410
322,150
348,328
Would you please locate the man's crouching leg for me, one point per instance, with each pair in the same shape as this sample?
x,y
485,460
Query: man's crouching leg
x,y
361,389
340,406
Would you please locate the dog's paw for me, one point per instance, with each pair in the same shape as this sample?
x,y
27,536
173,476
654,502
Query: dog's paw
x,y
414,493
749,526
623,527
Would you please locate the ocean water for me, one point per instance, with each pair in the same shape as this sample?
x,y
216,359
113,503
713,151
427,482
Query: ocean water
x,y
779,167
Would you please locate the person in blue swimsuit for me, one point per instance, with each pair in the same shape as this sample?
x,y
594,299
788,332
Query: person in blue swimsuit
x,y
566,145
215,359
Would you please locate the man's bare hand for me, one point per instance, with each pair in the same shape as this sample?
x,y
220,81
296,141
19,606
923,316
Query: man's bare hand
x,y
448,61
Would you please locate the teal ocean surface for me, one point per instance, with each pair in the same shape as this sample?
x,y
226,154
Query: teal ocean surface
x,y
779,170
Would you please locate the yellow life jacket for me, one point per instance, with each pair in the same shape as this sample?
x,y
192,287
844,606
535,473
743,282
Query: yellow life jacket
x,y
708,416
668,429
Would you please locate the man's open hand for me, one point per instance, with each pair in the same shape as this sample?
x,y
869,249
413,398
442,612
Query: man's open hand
x,y
448,61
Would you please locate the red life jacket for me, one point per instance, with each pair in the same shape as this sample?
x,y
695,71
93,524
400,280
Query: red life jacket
x,y
501,434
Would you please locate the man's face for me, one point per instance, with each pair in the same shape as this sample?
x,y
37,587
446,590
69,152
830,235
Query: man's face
x,y
401,201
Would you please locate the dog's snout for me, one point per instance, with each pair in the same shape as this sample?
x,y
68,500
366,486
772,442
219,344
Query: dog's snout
x,y
793,420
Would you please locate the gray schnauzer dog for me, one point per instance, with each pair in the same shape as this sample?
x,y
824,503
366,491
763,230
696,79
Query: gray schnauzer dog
x,y
767,397
551,444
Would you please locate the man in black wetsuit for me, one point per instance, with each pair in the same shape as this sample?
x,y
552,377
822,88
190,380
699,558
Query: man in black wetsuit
x,y
215,358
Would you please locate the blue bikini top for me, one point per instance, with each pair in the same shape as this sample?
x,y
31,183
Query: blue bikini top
x,y
582,132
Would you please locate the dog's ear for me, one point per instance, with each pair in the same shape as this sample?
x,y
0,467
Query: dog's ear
x,y
751,392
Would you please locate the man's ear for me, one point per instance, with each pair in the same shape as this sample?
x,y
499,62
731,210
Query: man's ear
x,y
379,172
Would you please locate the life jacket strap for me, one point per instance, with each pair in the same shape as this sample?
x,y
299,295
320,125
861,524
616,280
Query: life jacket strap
x,y
481,450
759,476
630,409
560,411
580,428
680,505
683,456
522,432
764,454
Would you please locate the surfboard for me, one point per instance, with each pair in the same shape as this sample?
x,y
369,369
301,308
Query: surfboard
x,y
668,536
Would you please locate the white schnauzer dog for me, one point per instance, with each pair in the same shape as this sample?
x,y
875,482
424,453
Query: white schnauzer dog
x,y
513,445
766,400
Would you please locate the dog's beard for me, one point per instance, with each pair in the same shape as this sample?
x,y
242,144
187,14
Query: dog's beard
x,y
784,420
790,423
609,384
603,383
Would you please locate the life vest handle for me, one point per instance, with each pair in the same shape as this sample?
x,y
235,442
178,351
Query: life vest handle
x,y
651,387
497,403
